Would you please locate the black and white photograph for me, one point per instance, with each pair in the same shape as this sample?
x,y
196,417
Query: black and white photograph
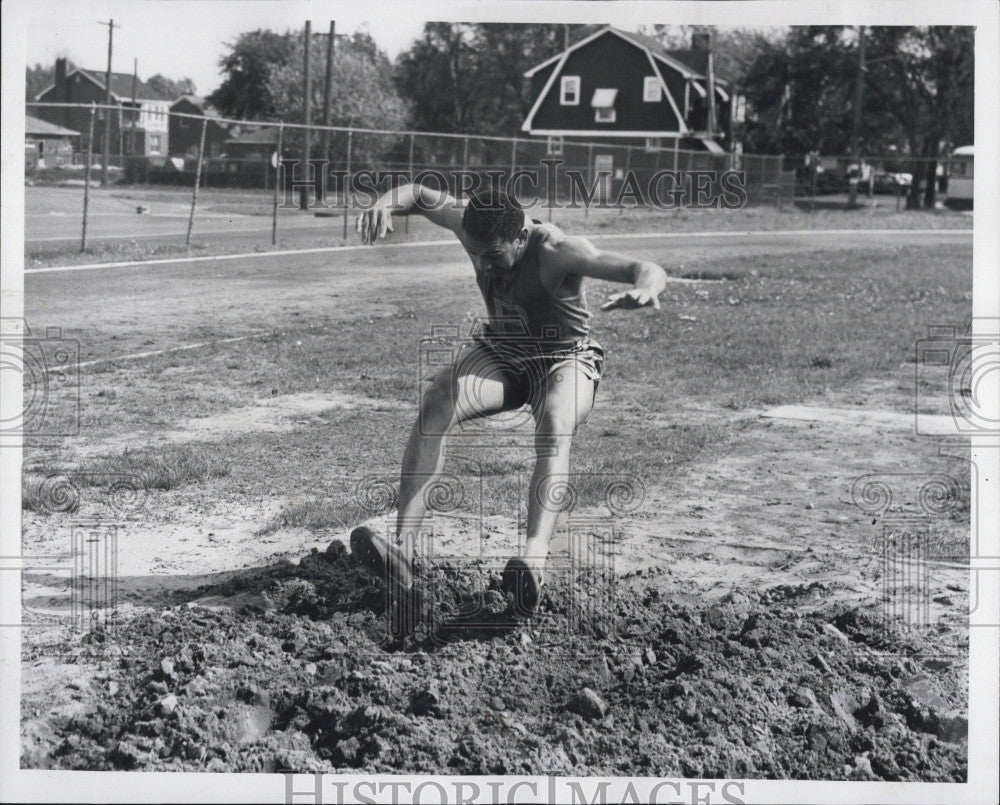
x,y
582,402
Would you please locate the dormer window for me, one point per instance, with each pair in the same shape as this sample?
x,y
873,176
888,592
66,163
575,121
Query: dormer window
x,y
603,104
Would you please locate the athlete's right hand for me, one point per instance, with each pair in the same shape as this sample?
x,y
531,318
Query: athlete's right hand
x,y
374,223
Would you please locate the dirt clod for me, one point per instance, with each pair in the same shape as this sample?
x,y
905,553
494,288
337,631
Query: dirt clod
x,y
587,704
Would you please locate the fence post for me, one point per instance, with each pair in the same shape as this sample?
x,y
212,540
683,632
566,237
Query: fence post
x,y
628,166
590,176
197,181
347,179
277,186
86,180
406,218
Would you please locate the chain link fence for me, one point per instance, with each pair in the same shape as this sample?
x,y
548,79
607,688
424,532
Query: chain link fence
x,y
243,183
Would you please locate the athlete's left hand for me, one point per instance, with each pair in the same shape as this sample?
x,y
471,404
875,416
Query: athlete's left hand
x,y
631,299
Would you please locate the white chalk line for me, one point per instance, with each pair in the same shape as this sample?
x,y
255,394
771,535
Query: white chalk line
x,y
155,352
420,244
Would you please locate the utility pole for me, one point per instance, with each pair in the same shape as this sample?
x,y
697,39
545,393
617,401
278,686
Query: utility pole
x,y
328,88
306,115
859,86
107,106
327,92
710,70
135,112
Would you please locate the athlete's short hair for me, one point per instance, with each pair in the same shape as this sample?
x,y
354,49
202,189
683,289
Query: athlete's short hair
x,y
493,214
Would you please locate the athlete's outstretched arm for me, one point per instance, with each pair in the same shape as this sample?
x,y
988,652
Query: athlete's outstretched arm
x,y
435,205
576,255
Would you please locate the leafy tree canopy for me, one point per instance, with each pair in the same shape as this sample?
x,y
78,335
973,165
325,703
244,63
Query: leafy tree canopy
x,y
247,67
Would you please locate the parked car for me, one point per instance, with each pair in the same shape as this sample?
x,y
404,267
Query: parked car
x,y
892,182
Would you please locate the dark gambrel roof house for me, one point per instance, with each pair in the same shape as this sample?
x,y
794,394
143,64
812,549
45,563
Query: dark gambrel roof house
x,y
619,85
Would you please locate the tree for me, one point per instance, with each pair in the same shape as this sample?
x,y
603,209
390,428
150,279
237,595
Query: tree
x,y
36,79
245,91
169,88
363,93
917,100
463,77
435,75
733,51
923,77
799,92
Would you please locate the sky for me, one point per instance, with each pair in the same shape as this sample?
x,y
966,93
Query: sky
x,y
185,38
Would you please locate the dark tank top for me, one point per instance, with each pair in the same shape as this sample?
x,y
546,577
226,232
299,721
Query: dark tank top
x,y
520,307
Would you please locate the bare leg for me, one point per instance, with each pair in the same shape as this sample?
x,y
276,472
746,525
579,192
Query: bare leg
x,y
569,398
474,387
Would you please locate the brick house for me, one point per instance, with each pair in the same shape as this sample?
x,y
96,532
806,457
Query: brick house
x,y
185,133
139,124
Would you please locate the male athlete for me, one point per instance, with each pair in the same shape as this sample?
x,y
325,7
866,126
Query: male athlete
x,y
534,350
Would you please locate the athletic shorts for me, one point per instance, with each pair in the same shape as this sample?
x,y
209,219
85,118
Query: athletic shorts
x,y
528,364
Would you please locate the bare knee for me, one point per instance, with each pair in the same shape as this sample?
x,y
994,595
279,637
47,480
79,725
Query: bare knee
x,y
556,425
437,406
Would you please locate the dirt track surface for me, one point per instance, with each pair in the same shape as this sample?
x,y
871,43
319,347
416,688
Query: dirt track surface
x,y
717,690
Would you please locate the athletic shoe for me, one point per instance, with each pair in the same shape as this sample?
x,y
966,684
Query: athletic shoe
x,y
382,559
525,584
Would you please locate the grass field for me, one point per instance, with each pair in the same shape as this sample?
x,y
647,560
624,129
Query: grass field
x,y
252,452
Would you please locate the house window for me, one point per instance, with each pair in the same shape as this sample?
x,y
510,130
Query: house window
x,y
652,92
652,143
554,146
603,104
569,90
154,143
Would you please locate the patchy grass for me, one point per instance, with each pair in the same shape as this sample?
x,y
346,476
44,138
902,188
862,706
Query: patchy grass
x,y
164,469
44,494
778,326
316,514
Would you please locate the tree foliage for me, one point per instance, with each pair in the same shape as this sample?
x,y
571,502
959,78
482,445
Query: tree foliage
x,y
245,90
734,49
918,94
464,77
363,94
171,89
36,79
